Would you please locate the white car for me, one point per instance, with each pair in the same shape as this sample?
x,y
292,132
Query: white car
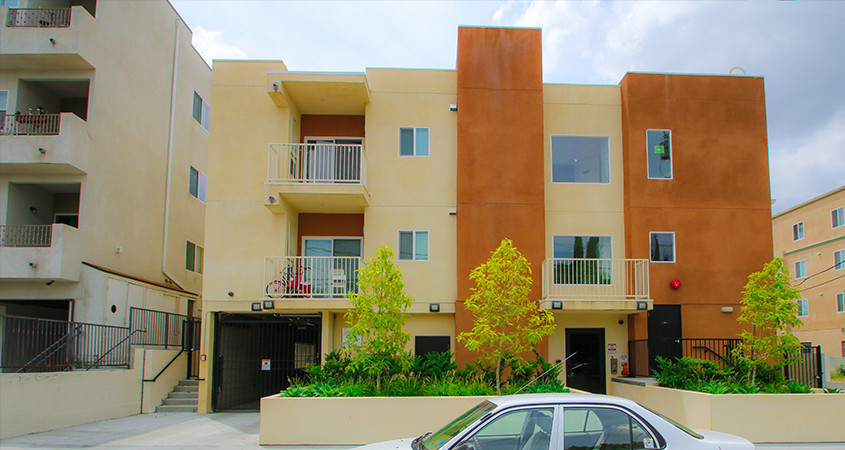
x,y
564,422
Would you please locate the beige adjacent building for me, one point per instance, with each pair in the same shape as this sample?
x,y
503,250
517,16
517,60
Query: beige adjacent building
x,y
104,109
811,239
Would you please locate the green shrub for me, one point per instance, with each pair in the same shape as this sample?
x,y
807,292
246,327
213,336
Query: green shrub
x,y
705,376
433,365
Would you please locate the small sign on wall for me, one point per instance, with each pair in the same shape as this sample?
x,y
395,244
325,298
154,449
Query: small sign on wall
x,y
623,357
265,364
611,348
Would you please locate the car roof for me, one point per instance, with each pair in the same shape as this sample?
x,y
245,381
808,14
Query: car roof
x,y
538,399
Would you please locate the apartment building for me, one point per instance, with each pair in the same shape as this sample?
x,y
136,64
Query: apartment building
x,y
642,206
103,146
811,239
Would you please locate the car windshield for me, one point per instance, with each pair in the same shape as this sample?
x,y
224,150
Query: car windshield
x,y
440,437
683,428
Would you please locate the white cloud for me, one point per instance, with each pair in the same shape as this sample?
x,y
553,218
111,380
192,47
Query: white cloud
x,y
210,45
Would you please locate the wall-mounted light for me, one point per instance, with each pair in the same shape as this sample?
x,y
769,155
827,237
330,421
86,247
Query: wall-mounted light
x,y
33,210
52,41
271,199
118,249
453,107
642,306
727,309
50,283
33,265
42,150
269,304
434,307
276,87
453,211
256,306
231,294
557,304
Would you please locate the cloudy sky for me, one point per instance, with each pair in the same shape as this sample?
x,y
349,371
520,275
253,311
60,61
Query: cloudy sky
x,y
796,46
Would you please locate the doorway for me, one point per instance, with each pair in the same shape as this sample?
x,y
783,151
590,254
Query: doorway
x,y
585,369
331,265
664,333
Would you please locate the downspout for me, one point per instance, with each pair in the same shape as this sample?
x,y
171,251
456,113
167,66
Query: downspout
x,y
169,173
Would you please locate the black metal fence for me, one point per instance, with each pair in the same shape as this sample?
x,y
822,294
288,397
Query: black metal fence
x,y
808,369
43,345
717,350
167,330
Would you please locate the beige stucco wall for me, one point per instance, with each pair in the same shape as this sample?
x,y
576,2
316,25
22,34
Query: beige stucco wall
x,y
154,360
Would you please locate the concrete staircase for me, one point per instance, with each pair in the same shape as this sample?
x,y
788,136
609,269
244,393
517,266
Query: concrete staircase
x,y
183,398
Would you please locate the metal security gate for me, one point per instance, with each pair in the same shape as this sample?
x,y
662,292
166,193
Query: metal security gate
x,y
256,355
808,369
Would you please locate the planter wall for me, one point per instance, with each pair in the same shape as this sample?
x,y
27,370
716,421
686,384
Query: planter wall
x,y
756,417
355,420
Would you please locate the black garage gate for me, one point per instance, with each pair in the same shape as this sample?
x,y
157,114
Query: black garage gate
x,y
258,354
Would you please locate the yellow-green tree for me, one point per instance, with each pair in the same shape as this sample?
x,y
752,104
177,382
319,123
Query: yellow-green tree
x,y
506,321
378,315
769,305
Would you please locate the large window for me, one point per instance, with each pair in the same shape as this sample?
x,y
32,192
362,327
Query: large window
x,y
840,302
197,184
413,245
580,159
413,141
798,231
193,257
801,269
662,246
595,251
659,157
201,111
837,216
839,259
803,308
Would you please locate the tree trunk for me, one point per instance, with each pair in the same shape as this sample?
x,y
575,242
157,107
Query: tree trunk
x,y
499,374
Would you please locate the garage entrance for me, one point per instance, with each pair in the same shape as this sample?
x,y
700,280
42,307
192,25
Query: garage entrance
x,y
258,354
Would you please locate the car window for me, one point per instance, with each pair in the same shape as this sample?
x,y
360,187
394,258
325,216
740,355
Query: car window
x,y
598,428
437,439
523,429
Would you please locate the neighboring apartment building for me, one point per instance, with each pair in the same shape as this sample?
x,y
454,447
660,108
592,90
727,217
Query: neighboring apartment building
x,y
314,171
103,147
811,239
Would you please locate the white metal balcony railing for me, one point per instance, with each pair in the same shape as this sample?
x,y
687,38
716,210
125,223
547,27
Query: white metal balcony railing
x,y
316,163
39,18
30,124
26,235
310,276
595,279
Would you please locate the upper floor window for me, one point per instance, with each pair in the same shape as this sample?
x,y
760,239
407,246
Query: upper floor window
x,y
4,102
798,231
837,216
659,156
839,259
580,159
413,141
803,308
201,110
800,269
413,245
840,302
662,246
193,257
196,184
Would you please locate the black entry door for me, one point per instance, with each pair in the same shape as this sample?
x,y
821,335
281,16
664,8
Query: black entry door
x,y
256,355
664,333
585,368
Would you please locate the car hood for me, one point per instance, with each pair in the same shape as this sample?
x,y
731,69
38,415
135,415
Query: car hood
x,y
725,441
398,444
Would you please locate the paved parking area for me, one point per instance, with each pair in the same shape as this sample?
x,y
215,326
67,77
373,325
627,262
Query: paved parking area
x,y
188,431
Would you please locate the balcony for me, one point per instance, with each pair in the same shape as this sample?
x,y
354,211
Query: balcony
x,y
600,285
311,282
47,38
320,92
44,144
40,252
317,178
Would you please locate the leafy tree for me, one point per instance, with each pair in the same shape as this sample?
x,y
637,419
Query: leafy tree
x,y
378,315
507,322
769,305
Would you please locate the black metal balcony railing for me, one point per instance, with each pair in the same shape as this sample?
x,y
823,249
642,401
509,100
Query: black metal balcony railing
x,y
30,124
163,329
39,18
43,345
26,235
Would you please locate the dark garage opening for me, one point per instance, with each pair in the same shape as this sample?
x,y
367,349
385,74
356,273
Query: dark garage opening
x,y
257,355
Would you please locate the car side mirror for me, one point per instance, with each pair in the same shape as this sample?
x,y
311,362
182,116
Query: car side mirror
x,y
465,445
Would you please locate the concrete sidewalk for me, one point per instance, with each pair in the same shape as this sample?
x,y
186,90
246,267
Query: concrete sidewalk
x,y
187,431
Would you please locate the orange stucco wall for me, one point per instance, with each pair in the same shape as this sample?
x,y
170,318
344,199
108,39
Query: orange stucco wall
x,y
331,126
718,202
329,225
500,153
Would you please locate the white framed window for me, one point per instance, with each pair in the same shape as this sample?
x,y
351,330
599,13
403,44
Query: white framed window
x,y
837,216
569,250
580,159
413,245
840,302
662,246
659,154
413,141
197,184
800,269
803,307
4,102
193,257
201,111
798,231
839,260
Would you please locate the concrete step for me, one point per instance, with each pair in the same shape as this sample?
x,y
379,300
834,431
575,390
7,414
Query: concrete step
x,y
178,388
194,395
176,408
189,382
180,402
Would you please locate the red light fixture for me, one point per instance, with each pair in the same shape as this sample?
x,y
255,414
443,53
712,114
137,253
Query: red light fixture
x,y
676,283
